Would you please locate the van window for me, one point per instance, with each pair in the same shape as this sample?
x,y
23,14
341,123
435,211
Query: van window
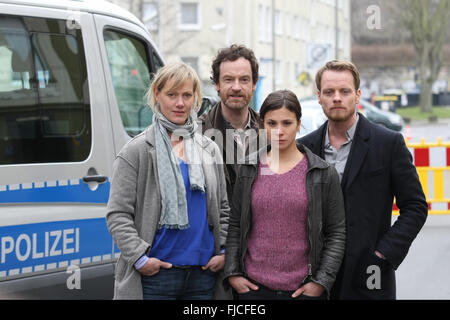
x,y
130,69
44,100
156,60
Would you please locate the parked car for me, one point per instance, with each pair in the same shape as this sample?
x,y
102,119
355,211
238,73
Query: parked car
x,y
312,117
388,119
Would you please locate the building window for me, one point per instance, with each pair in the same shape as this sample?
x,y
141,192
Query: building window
x,y
269,24
342,39
266,76
296,27
279,72
278,23
304,29
150,15
288,73
330,35
192,61
288,25
261,24
189,16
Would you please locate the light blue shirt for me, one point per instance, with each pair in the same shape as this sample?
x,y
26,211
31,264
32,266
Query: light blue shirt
x,y
338,158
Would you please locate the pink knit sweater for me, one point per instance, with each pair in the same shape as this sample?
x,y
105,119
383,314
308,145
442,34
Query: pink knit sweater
x,y
278,247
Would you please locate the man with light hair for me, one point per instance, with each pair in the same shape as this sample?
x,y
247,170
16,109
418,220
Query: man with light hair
x,y
374,166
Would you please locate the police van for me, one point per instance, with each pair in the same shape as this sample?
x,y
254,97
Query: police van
x,y
73,75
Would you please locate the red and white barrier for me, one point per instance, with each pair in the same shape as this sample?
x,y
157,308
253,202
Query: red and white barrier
x,y
432,161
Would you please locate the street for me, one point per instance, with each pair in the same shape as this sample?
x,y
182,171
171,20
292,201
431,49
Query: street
x,y
429,131
425,272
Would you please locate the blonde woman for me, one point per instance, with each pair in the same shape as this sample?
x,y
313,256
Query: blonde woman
x,y
168,209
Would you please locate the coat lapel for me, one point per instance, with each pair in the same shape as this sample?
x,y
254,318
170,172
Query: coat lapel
x,y
358,152
315,141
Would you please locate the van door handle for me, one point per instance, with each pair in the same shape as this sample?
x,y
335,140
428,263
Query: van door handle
x,y
96,178
93,176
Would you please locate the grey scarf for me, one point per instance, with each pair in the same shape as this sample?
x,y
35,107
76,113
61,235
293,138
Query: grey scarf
x,y
174,214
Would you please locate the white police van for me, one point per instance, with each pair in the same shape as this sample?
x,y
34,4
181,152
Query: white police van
x,y
72,80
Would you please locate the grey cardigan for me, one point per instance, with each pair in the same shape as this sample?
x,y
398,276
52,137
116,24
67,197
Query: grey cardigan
x,y
134,205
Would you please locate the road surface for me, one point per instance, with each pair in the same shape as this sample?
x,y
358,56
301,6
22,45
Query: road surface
x,y
429,131
425,272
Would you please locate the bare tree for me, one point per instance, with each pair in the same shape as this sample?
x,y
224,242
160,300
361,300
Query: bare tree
x,y
427,21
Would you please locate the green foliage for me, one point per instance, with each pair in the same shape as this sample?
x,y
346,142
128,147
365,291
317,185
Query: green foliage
x,y
414,113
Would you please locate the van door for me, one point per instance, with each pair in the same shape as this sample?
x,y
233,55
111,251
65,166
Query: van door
x,y
56,156
129,60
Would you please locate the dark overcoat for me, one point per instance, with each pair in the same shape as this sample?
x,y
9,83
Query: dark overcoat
x,y
379,168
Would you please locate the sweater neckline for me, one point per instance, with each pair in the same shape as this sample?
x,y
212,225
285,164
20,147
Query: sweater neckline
x,y
265,166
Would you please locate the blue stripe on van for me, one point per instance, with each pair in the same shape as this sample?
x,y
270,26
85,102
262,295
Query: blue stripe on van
x,y
60,193
35,247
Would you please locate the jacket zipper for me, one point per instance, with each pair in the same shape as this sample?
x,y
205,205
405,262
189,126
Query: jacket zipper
x,y
308,229
308,275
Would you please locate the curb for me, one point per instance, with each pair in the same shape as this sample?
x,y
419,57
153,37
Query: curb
x,y
445,121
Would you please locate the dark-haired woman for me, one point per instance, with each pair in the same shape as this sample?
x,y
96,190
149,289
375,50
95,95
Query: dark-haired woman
x,y
286,234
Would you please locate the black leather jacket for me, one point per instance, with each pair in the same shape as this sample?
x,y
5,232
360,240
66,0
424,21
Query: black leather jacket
x,y
325,222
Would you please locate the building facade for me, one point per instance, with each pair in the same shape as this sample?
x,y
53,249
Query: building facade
x,y
291,39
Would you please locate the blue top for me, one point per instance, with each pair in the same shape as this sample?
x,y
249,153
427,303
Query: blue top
x,y
191,246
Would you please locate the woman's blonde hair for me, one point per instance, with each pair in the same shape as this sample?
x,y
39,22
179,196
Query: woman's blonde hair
x,y
179,72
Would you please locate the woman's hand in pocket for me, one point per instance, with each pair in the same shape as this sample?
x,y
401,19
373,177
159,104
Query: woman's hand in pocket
x,y
241,284
153,265
310,289
216,263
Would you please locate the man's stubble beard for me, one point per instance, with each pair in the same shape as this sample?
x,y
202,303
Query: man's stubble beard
x,y
339,117
234,106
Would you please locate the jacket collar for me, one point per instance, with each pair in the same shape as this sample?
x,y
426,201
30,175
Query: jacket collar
x,y
359,149
150,135
314,162
316,139
358,152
